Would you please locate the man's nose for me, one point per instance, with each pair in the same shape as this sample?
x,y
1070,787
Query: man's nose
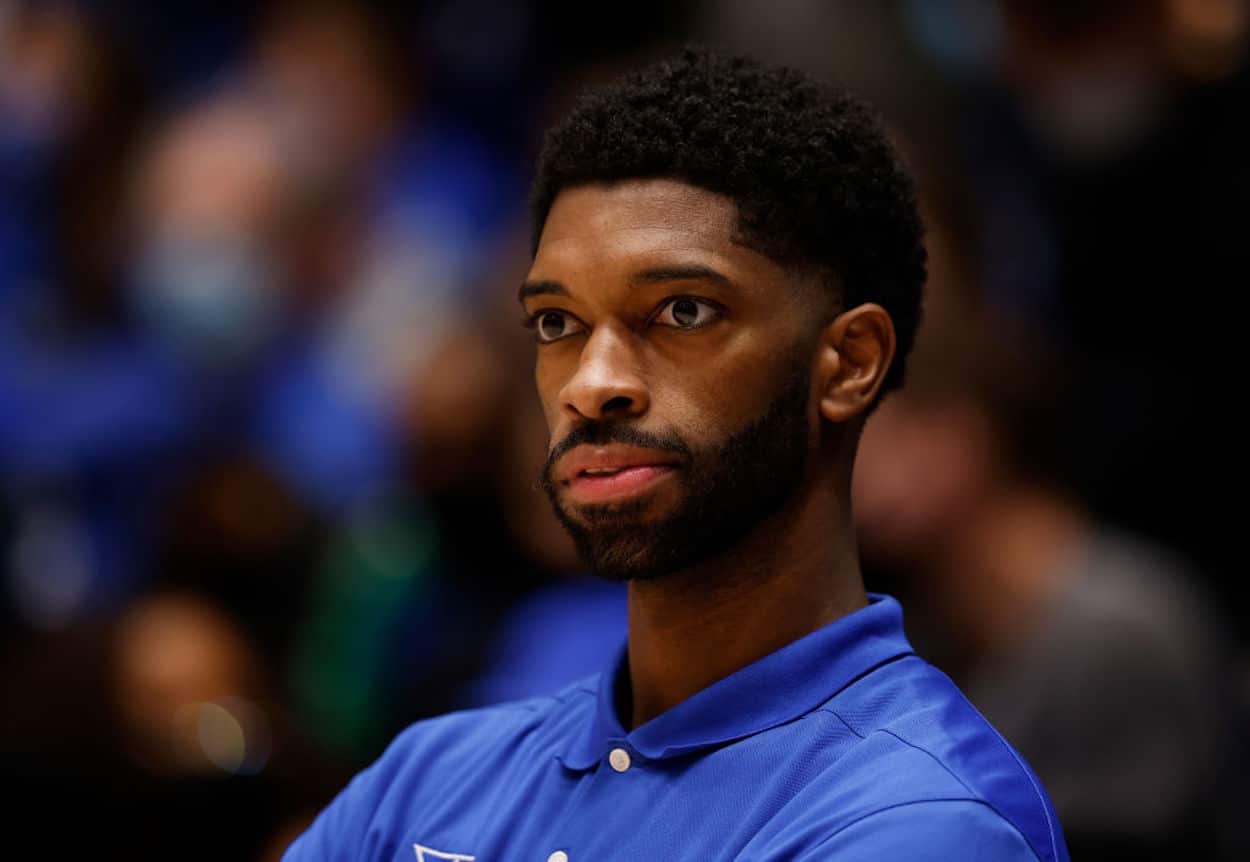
x,y
609,381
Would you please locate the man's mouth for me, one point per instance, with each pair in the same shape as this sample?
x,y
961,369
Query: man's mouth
x,y
612,472
613,484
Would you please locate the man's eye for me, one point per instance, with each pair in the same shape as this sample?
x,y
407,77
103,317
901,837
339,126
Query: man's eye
x,y
551,326
687,313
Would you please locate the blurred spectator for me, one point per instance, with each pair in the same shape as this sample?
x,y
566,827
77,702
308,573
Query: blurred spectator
x,y
243,248
78,402
161,734
1109,167
1094,652
70,100
186,687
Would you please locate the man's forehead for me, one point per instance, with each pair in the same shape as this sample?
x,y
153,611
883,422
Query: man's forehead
x,y
643,211
640,227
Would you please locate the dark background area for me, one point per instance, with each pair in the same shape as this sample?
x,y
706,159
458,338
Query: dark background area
x,y
268,433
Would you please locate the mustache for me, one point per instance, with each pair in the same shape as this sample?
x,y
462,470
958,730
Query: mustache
x,y
603,433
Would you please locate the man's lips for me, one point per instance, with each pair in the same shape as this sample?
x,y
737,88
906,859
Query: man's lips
x,y
628,482
600,473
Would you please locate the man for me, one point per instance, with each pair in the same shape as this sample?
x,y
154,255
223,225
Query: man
x,y
727,276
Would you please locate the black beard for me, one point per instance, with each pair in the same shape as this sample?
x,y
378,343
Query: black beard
x,y
730,489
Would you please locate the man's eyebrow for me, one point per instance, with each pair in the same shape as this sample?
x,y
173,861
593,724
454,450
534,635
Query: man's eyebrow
x,y
538,288
683,272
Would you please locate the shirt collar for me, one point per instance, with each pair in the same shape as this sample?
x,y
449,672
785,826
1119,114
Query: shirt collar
x,y
778,688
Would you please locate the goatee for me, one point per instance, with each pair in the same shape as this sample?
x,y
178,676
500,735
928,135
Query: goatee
x,y
728,490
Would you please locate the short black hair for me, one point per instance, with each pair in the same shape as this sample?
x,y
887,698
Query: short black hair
x,y
815,179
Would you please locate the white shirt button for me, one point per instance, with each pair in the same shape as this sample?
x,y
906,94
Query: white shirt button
x,y
618,758
558,856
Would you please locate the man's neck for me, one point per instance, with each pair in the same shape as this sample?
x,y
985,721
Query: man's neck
x,y
794,574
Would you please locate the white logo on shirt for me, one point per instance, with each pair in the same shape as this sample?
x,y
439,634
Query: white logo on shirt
x,y
426,853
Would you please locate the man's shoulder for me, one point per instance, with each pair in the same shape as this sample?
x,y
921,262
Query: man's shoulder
x,y
542,722
441,764
451,747
921,745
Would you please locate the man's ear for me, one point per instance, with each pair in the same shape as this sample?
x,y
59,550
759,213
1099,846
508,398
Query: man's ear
x,y
855,352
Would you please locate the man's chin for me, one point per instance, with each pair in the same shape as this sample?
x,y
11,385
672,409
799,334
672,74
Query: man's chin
x,y
635,513
619,557
616,541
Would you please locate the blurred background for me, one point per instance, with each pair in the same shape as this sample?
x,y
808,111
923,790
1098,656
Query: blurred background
x,y
268,433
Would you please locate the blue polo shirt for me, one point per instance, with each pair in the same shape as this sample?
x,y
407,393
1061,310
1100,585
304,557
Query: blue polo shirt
x,y
843,745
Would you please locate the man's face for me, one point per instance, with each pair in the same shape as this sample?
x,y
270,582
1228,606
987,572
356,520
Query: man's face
x,y
674,369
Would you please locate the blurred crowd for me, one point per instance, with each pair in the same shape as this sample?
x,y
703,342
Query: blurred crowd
x,y
268,436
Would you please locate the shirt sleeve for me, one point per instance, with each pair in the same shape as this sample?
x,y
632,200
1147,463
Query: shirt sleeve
x,y
935,831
